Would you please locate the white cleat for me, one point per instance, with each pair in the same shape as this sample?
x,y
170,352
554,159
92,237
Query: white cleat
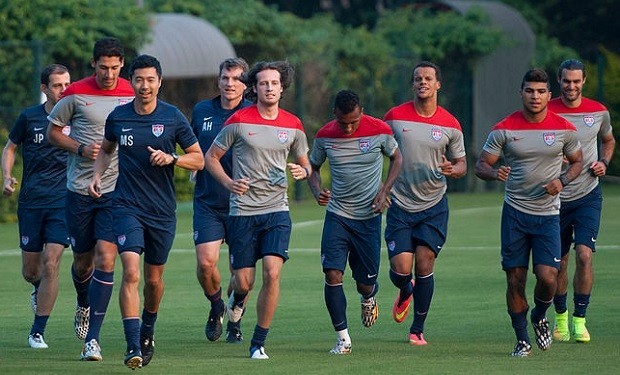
x,y
36,341
91,351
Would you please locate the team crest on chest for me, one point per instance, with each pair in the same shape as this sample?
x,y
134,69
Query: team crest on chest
x,y
158,129
364,145
588,120
66,130
436,134
282,136
549,138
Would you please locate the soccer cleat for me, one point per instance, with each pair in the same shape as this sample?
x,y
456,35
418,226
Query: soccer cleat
x,y
234,336
36,341
522,349
213,329
33,300
342,347
82,316
258,352
560,330
235,312
91,351
543,334
417,339
580,332
133,359
147,347
370,311
401,307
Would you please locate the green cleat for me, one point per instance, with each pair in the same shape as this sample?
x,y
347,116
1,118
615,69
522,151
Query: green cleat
x,y
560,330
580,332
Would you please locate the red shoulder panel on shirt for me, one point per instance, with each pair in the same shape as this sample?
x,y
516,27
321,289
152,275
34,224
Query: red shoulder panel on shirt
x,y
369,126
407,112
88,86
587,105
516,121
250,115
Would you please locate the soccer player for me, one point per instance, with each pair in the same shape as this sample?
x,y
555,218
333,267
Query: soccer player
x,y
354,144
146,131
534,142
211,198
431,142
582,200
41,203
259,226
85,105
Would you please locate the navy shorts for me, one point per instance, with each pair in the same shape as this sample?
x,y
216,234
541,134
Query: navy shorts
x,y
140,234
89,220
581,218
250,238
522,233
404,230
358,240
38,226
209,224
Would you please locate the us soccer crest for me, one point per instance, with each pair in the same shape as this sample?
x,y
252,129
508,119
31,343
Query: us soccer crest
x,y
588,120
364,145
282,136
66,130
549,138
436,134
25,240
121,239
158,129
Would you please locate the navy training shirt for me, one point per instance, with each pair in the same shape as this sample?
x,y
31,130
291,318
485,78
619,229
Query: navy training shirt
x,y
150,189
44,180
208,118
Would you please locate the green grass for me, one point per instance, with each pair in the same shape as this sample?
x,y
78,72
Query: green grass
x,y
468,328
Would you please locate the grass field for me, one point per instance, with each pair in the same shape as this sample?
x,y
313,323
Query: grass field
x,y
468,329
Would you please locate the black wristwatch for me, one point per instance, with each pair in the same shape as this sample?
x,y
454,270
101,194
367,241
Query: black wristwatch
x,y
175,158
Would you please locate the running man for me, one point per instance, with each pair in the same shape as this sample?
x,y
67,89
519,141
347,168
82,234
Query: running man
x,y
259,226
41,204
86,105
211,199
534,142
354,144
582,200
431,142
146,132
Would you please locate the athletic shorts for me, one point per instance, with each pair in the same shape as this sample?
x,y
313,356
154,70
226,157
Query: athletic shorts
x,y
38,226
404,230
522,233
250,238
358,240
139,234
209,224
581,218
89,220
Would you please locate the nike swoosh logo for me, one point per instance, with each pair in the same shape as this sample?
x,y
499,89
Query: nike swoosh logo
x,y
406,130
97,313
208,118
593,239
371,276
517,138
251,133
89,103
37,129
126,129
556,260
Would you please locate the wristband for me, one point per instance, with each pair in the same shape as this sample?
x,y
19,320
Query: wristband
x,y
175,158
80,150
307,172
606,162
563,180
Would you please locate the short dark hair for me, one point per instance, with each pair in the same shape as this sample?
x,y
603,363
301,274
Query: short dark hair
x,y
572,64
426,64
234,62
346,101
285,69
108,46
52,69
535,75
145,61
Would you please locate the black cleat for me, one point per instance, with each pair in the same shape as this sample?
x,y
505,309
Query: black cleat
x,y
213,329
147,346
